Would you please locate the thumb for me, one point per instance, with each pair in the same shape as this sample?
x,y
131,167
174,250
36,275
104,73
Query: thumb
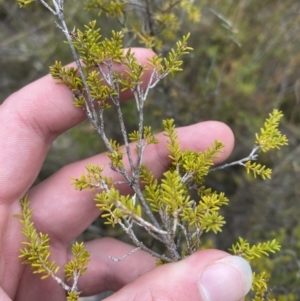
x,y
208,275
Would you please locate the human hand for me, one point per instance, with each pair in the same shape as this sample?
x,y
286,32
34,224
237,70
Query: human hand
x,y
30,120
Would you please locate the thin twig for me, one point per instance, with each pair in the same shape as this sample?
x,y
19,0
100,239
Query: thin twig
x,y
115,259
251,157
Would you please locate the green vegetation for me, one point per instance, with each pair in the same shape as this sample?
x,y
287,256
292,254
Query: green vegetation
x,y
232,84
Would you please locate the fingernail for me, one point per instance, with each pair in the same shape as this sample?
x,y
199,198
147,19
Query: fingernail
x,y
228,279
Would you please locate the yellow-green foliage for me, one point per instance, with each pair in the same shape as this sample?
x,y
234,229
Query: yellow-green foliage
x,y
110,8
92,179
270,137
36,253
258,170
175,210
73,296
160,20
250,253
243,248
148,136
259,286
117,206
23,3
79,264
36,249
171,199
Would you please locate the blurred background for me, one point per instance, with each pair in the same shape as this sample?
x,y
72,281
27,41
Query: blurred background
x,y
246,62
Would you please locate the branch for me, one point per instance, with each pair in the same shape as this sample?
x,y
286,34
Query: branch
x,y
251,157
140,220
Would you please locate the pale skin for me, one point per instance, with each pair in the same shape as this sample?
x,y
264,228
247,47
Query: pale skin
x,y
30,120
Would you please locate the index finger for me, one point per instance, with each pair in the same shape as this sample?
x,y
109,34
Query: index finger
x,y
30,120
